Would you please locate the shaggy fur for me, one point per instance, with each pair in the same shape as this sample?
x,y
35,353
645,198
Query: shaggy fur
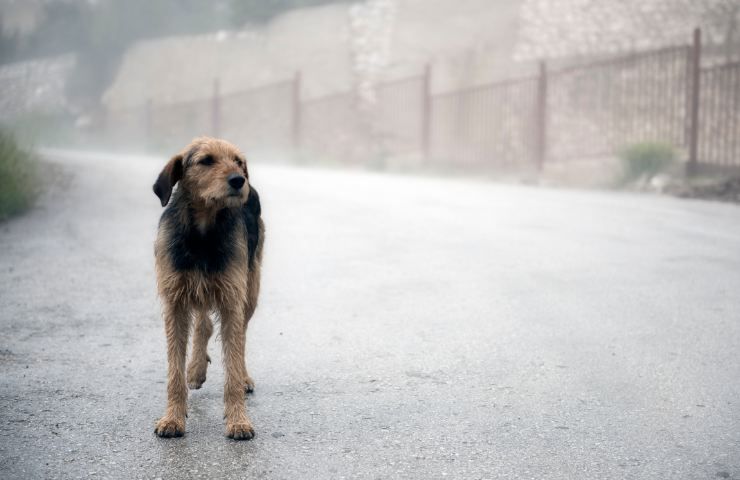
x,y
208,254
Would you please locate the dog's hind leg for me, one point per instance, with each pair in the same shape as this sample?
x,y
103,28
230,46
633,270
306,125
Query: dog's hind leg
x,y
199,358
249,307
248,382
177,326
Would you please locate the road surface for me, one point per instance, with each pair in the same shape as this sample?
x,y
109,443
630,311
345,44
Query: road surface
x,y
408,328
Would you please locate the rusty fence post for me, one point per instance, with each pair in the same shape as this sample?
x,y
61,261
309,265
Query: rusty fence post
x,y
216,109
541,117
693,114
296,106
426,111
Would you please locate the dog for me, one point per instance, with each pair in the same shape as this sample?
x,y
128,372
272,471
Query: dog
x,y
208,255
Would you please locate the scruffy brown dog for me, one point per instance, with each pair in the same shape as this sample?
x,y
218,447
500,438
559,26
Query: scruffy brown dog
x,y
208,253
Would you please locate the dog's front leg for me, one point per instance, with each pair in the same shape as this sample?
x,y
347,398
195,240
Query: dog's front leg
x,y
238,425
177,326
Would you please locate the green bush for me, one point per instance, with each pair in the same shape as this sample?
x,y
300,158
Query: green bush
x,y
34,128
645,160
18,168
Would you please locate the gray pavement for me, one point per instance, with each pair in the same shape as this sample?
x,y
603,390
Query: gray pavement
x,y
408,328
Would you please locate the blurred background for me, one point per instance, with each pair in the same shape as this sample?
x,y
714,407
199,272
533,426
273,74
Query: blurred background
x,y
521,87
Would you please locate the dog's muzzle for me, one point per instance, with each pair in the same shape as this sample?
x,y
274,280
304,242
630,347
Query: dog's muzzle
x,y
236,181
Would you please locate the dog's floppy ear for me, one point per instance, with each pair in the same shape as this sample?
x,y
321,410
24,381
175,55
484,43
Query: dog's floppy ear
x,y
252,212
170,175
253,202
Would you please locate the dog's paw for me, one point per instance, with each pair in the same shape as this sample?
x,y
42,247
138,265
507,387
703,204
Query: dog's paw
x,y
248,384
196,380
197,373
240,431
168,427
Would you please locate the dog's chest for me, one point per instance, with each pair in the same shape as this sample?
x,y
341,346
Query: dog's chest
x,y
209,250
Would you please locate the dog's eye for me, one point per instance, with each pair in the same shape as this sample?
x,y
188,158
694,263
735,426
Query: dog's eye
x,y
238,161
207,160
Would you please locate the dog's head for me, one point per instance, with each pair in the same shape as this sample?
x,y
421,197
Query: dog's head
x,y
212,172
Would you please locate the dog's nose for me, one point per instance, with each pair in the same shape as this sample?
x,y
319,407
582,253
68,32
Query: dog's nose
x,y
236,181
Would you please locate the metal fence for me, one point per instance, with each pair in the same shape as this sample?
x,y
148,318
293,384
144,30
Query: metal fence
x,y
719,125
492,124
596,109
584,110
330,125
256,117
398,120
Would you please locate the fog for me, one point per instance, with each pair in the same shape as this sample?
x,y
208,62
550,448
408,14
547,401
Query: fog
x,y
500,239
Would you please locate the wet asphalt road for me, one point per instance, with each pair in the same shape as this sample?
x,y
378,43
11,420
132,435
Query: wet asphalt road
x,y
408,328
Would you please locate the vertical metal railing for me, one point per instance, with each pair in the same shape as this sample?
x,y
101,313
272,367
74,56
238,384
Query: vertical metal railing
x,y
541,117
693,116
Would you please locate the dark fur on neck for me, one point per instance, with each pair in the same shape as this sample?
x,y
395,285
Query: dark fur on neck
x,y
210,250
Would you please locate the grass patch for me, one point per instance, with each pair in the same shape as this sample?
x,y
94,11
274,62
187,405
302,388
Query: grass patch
x,y
642,161
18,175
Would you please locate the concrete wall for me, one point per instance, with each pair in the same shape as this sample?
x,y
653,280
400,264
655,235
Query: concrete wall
x,y
469,42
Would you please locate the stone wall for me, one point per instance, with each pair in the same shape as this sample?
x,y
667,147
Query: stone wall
x,y
36,86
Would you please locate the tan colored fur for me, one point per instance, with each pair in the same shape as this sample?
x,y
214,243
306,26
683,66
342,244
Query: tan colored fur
x,y
188,297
